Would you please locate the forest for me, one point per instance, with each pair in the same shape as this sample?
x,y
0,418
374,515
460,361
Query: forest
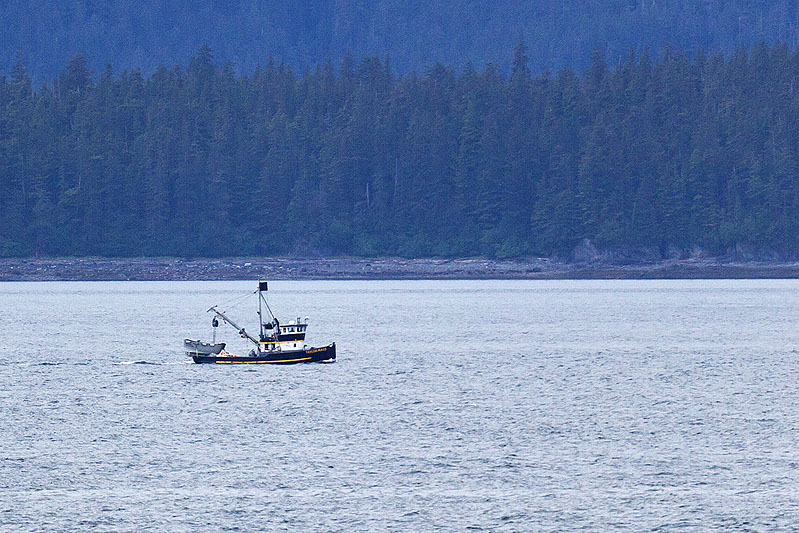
x,y
661,151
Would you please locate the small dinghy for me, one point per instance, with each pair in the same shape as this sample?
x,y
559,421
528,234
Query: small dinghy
x,y
203,348
276,344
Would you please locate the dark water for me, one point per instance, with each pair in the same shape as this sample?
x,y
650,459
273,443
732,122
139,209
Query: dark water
x,y
513,405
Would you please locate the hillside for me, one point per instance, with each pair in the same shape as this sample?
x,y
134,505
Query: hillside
x,y
671,155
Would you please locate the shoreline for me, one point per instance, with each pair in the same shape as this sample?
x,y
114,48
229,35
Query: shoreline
x,y
284,268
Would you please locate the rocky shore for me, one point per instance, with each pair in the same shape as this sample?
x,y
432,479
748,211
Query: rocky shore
x,y
101,269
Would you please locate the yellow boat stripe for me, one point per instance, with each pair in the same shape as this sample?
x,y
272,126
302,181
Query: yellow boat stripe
x,y
280,361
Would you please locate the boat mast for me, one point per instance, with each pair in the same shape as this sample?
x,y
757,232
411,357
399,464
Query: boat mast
x,y
262,286
241,330
260,315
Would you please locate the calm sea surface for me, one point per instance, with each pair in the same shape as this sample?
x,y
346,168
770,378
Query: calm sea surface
x,y
454,405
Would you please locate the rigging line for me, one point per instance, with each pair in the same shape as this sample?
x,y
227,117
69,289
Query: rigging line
x,y
233,300
266,302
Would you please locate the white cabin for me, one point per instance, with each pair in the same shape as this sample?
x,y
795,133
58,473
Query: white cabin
x,y
289,337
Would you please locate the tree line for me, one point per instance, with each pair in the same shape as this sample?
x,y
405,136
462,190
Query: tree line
x,y
415,33
666,152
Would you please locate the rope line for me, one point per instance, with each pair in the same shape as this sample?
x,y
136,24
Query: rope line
x,y
229,303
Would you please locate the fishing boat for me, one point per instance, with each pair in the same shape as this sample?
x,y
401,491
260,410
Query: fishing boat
x,y
276,344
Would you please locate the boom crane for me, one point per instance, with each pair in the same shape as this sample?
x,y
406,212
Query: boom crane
x,y
241,330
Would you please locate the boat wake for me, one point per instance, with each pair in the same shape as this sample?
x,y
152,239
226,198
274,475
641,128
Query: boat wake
x,y
155,363
84,363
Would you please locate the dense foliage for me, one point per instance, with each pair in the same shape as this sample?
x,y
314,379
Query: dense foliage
x,y
414,33
666,153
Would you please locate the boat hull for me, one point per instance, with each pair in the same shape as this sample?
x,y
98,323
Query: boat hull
x,y
309,355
